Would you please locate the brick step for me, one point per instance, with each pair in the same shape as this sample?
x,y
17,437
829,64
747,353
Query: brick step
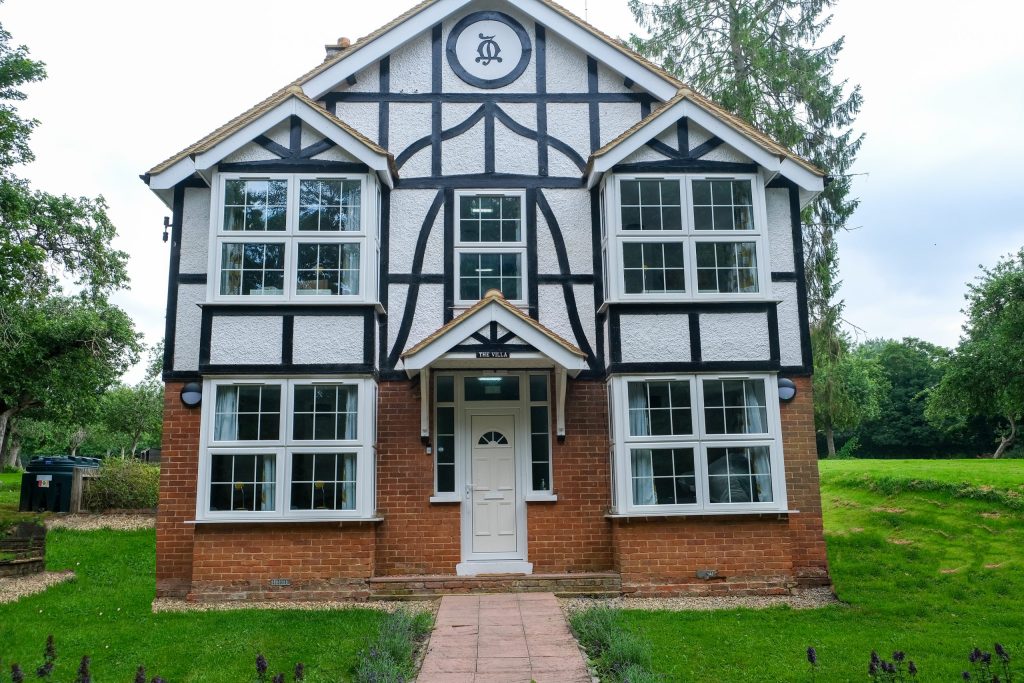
x,y
595,584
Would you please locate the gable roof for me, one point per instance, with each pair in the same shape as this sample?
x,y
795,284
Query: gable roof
x,y
264,115
735,131
494,307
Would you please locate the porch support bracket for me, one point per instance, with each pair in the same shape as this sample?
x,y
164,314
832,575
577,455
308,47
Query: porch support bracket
x,y
425,404
560,381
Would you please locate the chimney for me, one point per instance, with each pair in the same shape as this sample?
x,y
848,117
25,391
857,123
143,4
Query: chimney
x,y
342,45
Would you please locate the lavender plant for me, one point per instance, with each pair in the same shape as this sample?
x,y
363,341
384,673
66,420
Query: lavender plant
x,y
17,675
140,675
812,660
49,659
261,668
898,670
84,675
989,669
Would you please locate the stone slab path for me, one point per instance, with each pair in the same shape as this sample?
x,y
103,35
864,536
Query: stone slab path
x,y
502,638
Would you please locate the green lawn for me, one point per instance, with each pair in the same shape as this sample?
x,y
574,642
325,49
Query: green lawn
x,y
924,572
10,490
1002,474
105,613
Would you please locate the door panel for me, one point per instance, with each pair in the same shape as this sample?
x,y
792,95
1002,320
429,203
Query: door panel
x,y
493,448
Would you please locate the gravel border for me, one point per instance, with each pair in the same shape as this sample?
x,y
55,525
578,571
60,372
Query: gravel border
x,y
14,588
94,522
808,598
413,606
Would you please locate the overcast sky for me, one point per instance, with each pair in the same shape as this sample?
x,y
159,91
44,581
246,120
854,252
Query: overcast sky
x,y
132,82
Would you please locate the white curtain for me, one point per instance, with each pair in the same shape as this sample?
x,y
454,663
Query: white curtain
x,y
348,474
352,408
643,478
269,482
755,402
762,467
639,424
225,426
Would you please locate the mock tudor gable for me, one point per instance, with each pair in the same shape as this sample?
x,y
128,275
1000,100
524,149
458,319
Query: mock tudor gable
x,y
497,296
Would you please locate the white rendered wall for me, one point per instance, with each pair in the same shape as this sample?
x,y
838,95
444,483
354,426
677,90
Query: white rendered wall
x,y
789,324
186,328
328,340
195,231
734,337
655,338
780,231
246,340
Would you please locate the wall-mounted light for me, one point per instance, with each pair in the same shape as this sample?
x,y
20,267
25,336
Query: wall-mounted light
x,y
192,394
167,226
787,389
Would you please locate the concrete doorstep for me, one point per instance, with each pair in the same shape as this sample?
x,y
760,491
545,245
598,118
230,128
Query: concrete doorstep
x,y
502,638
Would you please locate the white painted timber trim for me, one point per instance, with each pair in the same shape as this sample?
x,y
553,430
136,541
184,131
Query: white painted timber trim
x,y
363,56
467,325
686,108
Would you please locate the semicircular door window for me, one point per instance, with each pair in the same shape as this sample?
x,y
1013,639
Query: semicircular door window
x,y
492,439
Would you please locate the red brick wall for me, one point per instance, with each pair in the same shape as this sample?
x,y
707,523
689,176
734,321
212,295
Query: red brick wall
x,y
415,536
752,554
321,561
573,535
179,465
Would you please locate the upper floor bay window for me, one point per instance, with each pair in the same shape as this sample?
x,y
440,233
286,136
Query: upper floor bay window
x,y
490,245
684,237
288,448
295,237
696,444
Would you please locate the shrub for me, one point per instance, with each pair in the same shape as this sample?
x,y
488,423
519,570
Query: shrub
x,y
124,484
390,658
620,656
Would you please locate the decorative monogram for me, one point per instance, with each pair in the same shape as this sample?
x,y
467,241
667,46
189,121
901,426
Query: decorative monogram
x,y
489,51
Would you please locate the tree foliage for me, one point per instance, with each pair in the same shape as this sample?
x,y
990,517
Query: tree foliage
x,y
985,376
847,391
762,60
58,350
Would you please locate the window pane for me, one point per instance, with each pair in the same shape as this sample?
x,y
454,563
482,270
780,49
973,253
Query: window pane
x,y
723,205
659,408
328,269
650,205
323,481
491,388
740,475
330,205
445,389
727,267
255,205
490,218
252,269
735,406
653,267
538,388
481,272
247,413
540,448
325,412
663,476
243,482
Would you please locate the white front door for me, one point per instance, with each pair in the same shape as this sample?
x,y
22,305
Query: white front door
x,y
493,476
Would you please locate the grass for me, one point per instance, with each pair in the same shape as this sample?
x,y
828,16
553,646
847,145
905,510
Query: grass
x,y
10,491
106,614
926,572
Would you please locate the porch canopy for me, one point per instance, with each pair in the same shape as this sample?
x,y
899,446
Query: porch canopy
x,y
493,335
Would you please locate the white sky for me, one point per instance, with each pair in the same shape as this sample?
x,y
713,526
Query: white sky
x,y
132,82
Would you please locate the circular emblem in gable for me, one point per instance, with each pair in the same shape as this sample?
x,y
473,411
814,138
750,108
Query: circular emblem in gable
x,y
489,49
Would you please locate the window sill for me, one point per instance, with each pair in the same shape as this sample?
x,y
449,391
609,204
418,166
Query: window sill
x,y
541,498
697,513
444,500
289,520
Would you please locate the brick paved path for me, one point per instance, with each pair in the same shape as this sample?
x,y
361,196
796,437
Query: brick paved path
x,y
503,638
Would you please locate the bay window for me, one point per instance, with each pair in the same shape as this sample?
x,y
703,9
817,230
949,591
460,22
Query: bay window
x,y
490,246
696,444
683,237
296,448
294,237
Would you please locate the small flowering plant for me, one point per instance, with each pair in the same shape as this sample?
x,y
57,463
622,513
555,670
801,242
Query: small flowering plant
x,y
989,669
898,670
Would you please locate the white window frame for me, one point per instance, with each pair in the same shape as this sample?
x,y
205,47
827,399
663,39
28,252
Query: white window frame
x,y
615,236
363,446
367,237
463,247
699,442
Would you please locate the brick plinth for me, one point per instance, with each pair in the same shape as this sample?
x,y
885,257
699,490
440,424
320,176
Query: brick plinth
x,y
179,469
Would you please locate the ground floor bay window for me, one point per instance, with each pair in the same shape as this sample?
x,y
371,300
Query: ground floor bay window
x,y
696,444
287,449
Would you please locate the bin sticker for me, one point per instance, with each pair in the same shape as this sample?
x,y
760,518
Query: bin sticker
x,y
43,480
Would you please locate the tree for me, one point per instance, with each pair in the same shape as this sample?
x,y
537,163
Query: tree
x,y
134,413
847,391
58,351
761,60
985,376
